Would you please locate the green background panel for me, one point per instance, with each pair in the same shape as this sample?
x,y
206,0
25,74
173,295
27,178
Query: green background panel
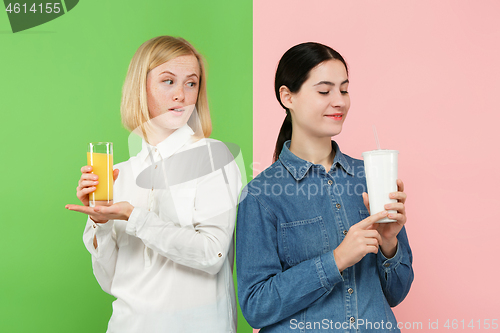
x,y
60,88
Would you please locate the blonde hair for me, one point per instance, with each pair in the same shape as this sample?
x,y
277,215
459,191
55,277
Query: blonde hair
x,y
152,53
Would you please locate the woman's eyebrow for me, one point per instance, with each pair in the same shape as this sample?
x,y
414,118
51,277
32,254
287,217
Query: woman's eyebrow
x,y
169,72
330,83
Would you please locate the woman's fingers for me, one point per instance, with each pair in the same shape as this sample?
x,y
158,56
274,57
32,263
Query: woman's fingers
x,y
366,237
82,209
374,234
85,191
399,196
90,211
366,223
372,248
87,180
88,177
398,206
359,241
87,183
372,241
401,186
106,209
86,169
400,218
115,174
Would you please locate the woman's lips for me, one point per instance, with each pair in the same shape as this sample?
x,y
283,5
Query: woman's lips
x,y
337,116
176,110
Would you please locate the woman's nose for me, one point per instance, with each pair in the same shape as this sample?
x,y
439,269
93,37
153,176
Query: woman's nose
x,y
179,94
338,99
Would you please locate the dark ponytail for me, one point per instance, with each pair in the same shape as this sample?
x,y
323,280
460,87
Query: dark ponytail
x,y
284,135
293,70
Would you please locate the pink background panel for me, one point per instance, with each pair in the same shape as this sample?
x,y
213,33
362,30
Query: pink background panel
x,y
427,74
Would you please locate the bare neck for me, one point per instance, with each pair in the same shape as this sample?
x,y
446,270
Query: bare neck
x,y
157,135
313,149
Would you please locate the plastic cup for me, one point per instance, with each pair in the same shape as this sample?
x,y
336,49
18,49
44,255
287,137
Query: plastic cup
x,y
100,157
381,169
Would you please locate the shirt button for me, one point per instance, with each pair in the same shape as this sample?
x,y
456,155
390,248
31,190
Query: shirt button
x,y
350,291
344,232
352,320
338,206
330,182
156,166
220,254
387,264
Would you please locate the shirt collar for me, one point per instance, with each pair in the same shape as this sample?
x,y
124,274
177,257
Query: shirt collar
x,y
169,146
299,167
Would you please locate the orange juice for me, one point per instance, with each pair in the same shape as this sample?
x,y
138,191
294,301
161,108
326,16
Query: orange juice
x,y
102,165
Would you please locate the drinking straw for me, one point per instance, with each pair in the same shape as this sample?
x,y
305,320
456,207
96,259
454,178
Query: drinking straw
x,y
376,137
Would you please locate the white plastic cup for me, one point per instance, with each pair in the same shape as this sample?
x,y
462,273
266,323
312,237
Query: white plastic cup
x,y
381,169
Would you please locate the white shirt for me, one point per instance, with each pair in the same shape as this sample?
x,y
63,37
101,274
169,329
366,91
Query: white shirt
x,y
170,265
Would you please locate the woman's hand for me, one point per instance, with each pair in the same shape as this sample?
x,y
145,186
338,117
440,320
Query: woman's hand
x,y
360,240
88,182
389,231
101,214
86,185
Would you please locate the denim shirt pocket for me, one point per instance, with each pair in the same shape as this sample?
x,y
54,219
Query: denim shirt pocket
x,y
304,240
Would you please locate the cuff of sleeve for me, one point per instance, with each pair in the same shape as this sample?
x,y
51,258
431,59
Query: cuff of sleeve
x,y
102,227
327,270
102,231
387,264
135,221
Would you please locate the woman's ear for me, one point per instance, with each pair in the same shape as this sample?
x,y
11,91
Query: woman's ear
x,y
286,97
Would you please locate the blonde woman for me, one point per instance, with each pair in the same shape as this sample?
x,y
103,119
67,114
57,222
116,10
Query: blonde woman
x,y
164,249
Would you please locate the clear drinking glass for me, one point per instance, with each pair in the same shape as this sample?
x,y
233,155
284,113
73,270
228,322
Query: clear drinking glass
x,y
100,157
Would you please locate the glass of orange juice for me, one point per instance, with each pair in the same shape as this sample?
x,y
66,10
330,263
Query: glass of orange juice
x,y
100,157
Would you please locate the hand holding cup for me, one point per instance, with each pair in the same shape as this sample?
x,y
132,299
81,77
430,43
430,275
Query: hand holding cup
x,y
389,231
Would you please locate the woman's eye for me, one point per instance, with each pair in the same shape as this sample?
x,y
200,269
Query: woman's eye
x,y
192,84
344,92
323,92
168,81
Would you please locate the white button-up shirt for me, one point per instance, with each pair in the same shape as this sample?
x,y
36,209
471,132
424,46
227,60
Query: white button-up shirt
x,y
170,265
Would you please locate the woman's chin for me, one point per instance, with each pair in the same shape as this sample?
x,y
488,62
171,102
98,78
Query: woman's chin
x,y
334,131
169,124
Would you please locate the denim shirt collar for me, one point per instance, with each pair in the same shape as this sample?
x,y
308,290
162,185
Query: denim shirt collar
x,y
298,167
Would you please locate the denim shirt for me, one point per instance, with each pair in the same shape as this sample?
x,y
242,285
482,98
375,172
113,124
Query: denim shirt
x,y
290,219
